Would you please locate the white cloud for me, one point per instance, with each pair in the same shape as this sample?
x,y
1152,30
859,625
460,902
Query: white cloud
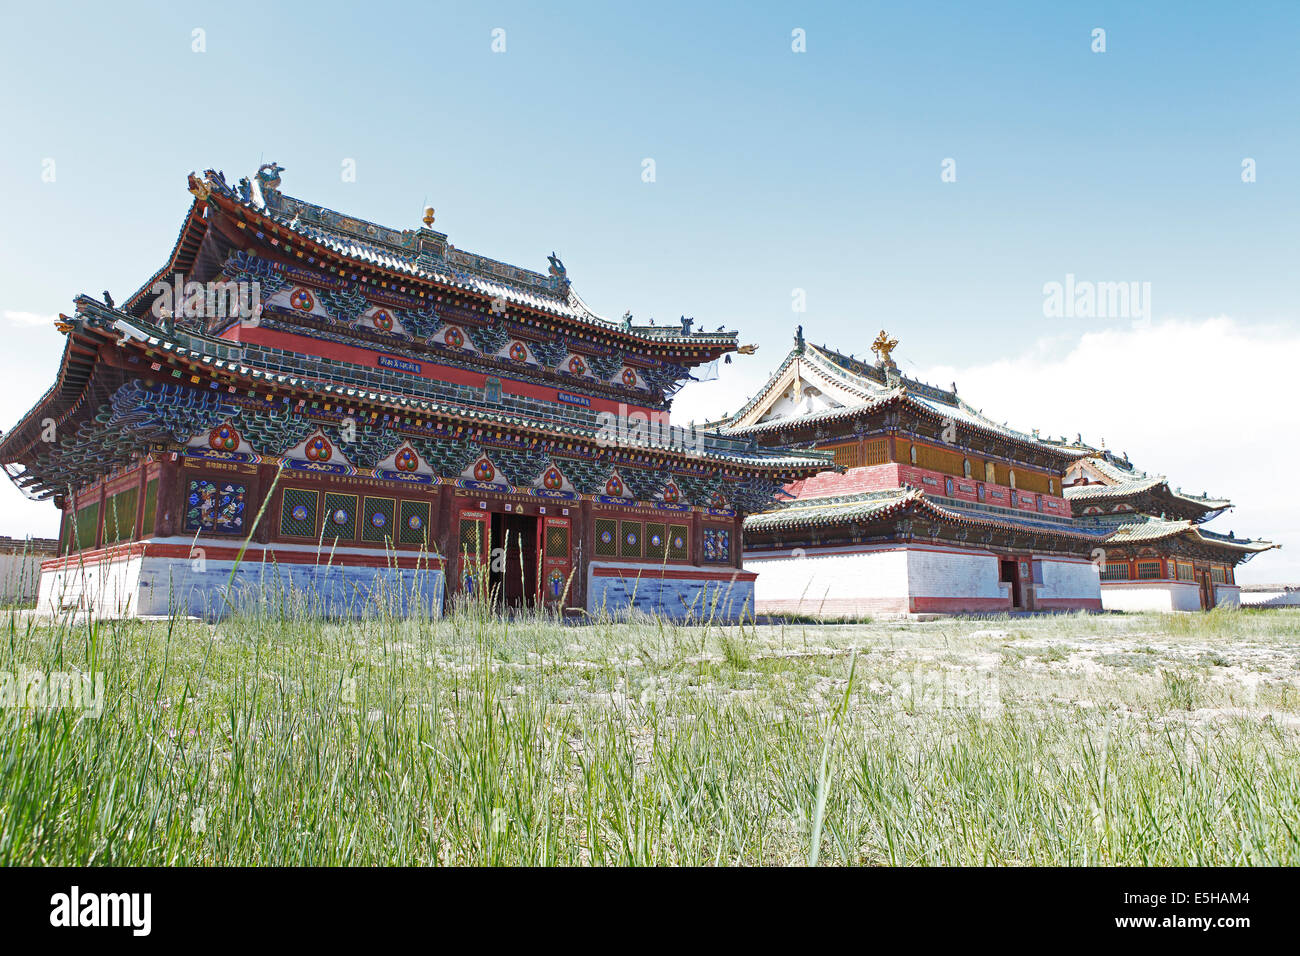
x,y
29,318
1210,403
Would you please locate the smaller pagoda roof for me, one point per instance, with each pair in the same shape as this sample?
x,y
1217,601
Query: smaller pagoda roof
x,y
1117,478
863,388
1145,529
813,513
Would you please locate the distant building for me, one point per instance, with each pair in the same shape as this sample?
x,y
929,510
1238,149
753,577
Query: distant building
x,y
20,566
1270,595
936,508
1159,556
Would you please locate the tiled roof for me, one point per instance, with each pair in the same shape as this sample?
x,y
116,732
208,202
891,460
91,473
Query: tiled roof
x,y
875,390
1141,529
1122,479
426,254
831,512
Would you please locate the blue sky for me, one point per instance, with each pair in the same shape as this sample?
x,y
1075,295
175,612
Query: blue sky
x,y
774,171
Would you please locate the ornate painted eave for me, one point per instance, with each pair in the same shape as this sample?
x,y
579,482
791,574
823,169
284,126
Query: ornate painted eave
x,y
96,325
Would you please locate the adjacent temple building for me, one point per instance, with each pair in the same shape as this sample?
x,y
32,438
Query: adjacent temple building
x,y
1159,557
936,508
301,401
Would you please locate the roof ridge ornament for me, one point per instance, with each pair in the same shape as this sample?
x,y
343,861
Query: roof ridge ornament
x,y
882,346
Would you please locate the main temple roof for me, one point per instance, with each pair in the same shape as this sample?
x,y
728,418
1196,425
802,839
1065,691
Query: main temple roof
x,y
424,255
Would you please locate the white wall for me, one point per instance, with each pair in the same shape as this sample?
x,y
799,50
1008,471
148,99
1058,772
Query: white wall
x,y
943,574
831,582
20,575
109,588
1227,595
1150,596
1068,580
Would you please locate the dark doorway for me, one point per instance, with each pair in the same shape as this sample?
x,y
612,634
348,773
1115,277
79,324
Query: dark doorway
x,y
1010,573
512,571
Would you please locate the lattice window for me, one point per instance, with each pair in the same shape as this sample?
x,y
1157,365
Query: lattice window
x,y
656,540
877,451
377,519
606,538
1115,570
846,456
557,541
1186,572
1147,570
1219,575
119,516
340,516
298,513
150,507
629,539
414,518
679,541
470,541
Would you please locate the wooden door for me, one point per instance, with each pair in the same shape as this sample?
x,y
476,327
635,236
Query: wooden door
x,y
554,548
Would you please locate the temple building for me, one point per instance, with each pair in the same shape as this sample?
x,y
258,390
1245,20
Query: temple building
x,y
1158,554
934,508
300,402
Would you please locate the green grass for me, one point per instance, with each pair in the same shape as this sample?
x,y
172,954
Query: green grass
x,y
280,739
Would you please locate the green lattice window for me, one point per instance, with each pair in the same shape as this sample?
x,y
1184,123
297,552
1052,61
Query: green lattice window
x,y
629,539
557,541
656,540
150,507
377,519
340,516
414,517
470,542
678,542
298,513
606,538
1148,570
85,528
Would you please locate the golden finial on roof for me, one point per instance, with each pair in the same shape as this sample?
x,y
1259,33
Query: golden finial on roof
x,y
883,346
428,216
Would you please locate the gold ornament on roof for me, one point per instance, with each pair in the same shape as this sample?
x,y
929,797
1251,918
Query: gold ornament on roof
x,y
883,346
428,216
746,349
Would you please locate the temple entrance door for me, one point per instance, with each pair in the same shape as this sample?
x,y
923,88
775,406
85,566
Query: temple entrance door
x,y
1207,591
1010,572
513,570
554,541
471,555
